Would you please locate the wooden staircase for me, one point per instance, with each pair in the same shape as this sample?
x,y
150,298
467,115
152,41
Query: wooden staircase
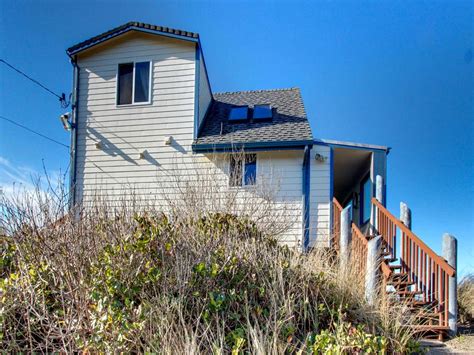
x,y
413,275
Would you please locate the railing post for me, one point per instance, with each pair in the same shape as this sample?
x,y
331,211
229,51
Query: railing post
x,y
450,251
345,236
405,214
372,269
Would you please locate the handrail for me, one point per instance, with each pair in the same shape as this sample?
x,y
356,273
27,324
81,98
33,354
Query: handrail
x,y
336,223
359,249
442,263
338,205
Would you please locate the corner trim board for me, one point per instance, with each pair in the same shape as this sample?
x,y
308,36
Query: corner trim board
x,y
197,74
306,195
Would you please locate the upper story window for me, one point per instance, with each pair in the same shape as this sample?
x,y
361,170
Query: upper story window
x,y
134,83
243,170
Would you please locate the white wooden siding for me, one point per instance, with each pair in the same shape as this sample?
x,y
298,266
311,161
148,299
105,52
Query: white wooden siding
x,y
320,199
115,173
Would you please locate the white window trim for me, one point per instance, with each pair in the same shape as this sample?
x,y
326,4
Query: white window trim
x,y
242,182
150,76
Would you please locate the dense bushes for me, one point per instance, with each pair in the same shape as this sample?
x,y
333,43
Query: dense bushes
x,y
466,300
179,285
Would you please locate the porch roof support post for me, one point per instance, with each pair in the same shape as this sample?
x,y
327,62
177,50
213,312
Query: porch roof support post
x,y
345,237
450,251
374,246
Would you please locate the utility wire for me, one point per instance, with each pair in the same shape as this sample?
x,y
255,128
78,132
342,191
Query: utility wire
x,y
33,131
62,97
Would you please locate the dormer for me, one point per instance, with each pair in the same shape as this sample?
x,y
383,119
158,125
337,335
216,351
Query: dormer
x,y
135,55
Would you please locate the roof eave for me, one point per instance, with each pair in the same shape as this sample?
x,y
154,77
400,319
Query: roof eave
x,y
251,146
352,145
73,52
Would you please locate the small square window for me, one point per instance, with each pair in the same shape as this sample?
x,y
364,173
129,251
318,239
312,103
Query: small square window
x,y
243,170
133,83
262,112
238,113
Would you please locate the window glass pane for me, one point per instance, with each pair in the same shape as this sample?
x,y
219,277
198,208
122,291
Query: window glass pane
x,y
367,195
261,112
142,81
125,83
238,113
250,169
235,171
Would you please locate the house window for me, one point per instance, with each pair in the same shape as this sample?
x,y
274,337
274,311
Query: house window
x,y
365,197
243,170
134,82
262,112
238,113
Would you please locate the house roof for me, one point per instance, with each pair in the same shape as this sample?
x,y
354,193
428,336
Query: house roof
x,y
289,126
139,26
352,144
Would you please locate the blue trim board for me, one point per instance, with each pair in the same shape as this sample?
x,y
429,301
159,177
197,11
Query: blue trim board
x,y
331,187
197,71
229,147
75,111
306,195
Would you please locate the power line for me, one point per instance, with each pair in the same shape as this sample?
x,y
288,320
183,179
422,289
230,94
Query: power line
x,y
33,131
62,97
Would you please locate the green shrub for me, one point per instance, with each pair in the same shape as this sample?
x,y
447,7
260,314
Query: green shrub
x,y
168,284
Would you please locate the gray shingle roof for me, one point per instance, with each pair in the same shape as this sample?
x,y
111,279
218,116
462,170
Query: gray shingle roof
x,y
124,28
289,123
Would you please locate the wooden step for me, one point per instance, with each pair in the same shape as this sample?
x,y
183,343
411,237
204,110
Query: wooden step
x,y
400,283
405,294
395,267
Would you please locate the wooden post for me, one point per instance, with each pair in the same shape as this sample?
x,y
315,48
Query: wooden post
x,y
405,214
450,251
372,269
345,236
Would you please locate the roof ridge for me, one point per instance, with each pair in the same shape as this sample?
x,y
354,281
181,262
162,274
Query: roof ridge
x,y
261,90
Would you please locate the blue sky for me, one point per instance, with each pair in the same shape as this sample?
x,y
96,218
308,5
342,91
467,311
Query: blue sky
x,y
391,73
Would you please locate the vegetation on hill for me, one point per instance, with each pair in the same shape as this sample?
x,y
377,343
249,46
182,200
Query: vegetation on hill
x,y
466,300
118,280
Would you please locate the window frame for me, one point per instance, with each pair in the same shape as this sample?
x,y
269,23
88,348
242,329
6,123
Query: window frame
x,y
242,171
239,120
261,119
362,199
150,76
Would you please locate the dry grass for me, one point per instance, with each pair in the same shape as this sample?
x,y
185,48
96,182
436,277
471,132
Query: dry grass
x,y
466,300
192,281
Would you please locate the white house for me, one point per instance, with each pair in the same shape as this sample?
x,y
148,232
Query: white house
x,y
146,123
144,113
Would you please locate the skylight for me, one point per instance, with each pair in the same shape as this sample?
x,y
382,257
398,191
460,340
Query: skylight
x,y
238,113
261,112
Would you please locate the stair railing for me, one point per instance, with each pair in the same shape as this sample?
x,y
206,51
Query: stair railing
x,y
358,249
336,224
428,271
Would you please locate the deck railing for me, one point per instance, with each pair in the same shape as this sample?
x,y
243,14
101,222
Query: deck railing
x,y
336,224
428,271
358,249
